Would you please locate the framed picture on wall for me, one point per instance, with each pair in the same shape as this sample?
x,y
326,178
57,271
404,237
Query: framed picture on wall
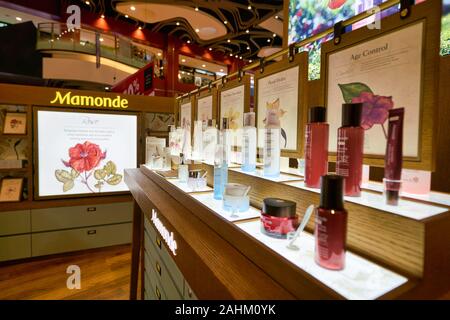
x,y
234,101
280,92
11,189
15,123
206,105
391,67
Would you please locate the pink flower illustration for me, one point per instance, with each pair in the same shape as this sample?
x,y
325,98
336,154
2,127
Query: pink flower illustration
x,y
85,157
375,109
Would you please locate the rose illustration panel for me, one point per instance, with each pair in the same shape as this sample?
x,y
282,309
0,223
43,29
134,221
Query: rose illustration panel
x,y
84,153
382,73
205,109
232,107
278,100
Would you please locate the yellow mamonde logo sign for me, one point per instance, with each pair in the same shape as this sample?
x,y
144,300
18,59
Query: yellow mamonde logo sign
x,y
89,101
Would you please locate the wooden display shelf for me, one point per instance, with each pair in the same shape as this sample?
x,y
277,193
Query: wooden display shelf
x,y
418,248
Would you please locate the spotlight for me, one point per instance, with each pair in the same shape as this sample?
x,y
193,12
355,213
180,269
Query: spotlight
x,y
178,23
18,18
126,16
210,49
249,7
87,3
196,8
274,35
197,30
225,22
247,31
268,40
248,48
102,16
277,17
250,61
140,28
133,8
203,65
228,40
189,41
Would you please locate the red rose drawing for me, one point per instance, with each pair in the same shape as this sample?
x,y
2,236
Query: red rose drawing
x,y
85,157
334,4
375,108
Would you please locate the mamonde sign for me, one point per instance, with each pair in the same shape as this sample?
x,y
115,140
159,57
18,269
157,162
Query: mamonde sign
x,y
89,101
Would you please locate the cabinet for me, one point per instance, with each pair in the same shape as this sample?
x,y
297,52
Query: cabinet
x,y
163,279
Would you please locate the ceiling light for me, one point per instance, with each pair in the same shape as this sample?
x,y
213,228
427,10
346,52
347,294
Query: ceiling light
x,y
133,8
182,72
197,30
268,40
274,35
183,60
178,23
87,2
18,18
250,61
101,39
248,48
247,31
225,22
106,88
277,17
236,56
210,49
249,7
228,40
221,70
189,41
196,8
203,65
159,54
140,28
240,57
102,16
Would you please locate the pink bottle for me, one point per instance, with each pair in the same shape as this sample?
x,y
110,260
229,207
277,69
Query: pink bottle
x,y
316,147
350,147
331,224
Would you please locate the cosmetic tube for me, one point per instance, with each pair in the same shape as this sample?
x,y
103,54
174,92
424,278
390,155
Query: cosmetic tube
x,y
272,151
393,158
249,143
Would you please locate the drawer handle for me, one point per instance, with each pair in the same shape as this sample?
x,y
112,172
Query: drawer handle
x,y
158,268
158,294
91,232
158,242
91,209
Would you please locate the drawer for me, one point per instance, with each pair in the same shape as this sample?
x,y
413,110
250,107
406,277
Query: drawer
x,y
166,257
15,247
153,285
154,265
188,293
15,222
80,239
81,216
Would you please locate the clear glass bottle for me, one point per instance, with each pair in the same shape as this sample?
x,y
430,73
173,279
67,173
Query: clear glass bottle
x,y
249,143
272,151
220,162
210,137
183,170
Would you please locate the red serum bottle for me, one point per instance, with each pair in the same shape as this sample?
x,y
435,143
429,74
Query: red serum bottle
x,y
350,147
316,147
331,224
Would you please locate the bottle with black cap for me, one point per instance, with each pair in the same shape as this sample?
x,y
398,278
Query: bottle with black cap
x,y
350,147
331,224
316,146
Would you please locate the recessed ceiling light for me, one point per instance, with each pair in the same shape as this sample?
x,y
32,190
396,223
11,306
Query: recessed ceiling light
x,y
159,54
140,28
247,31
248,48
268,40
126,16
249,7
106,88
133,8
101,39
178,23
228,40
197,30
221,70
250,61
236,56
277,17
18,18
203,65
189,41
274,35
210,49
225,22
87,2
102,16
196,8
240,57
183,60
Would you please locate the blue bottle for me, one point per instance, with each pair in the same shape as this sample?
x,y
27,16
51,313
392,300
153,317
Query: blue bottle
x,y
220,163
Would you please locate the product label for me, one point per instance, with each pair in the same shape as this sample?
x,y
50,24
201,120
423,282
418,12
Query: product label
x,y
342,161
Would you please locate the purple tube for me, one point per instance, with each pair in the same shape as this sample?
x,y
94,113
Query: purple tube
x,y
393,158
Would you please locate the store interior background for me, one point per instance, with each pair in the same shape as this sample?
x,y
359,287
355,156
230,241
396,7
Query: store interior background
x,y
187,52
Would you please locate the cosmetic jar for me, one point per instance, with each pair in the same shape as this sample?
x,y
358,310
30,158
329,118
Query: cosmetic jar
x,y
197,180
278,217
235,197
